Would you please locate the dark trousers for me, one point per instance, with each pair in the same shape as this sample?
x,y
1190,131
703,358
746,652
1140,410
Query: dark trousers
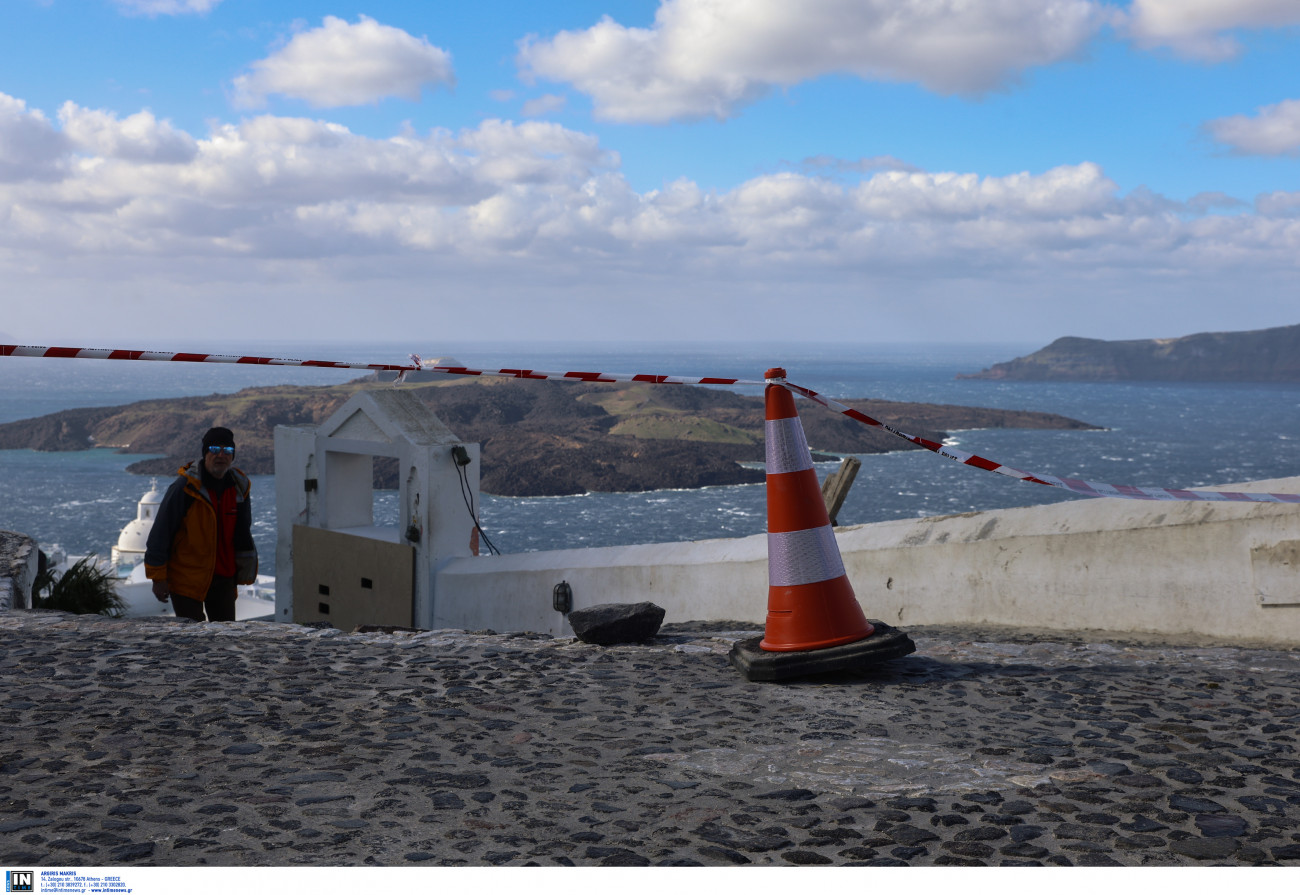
x,y
220,602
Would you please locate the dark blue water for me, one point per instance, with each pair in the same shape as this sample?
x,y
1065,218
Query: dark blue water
x,y
1161,435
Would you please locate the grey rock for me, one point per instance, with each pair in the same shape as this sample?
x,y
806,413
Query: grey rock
x,y
918,804
446,800
969,849
1215,825
718,854
760,841
317,777
72,845
617,857
1025,832
133,852
789,795
1195,805
611,623
1097,859
1205,849
242,749
906,834
1142,824
806,858
13,826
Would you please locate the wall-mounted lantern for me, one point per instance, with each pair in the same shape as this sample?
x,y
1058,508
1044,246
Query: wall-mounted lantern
x,y
562,597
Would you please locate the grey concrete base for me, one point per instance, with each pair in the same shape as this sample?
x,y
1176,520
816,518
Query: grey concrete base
x,y
758,664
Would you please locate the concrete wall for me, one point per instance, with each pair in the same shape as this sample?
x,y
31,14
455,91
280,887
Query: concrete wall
x,y
1227,572
19,559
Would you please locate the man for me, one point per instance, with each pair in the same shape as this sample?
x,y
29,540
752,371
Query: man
x,y
201,544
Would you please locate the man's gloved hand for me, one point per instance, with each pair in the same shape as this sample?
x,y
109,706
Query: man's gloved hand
x,y
160,590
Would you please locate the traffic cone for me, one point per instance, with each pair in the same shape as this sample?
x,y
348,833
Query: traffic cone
x,y
814,623
810,603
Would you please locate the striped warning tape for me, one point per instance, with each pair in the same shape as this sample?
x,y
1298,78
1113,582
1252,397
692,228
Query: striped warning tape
x,y
416,365
126,354
1078,486
574,376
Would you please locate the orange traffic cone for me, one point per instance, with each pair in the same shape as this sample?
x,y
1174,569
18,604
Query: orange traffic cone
x,y
810,603
814,622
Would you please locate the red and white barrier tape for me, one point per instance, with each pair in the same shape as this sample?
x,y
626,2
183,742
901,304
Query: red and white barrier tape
x,y
1077,486
574,376
121,354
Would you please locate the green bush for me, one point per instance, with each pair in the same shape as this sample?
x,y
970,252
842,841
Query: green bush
x,y
84,589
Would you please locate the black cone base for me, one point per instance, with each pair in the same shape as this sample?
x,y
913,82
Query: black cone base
x,y
758,664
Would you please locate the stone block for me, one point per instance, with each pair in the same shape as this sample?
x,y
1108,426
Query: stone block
x,y
612,623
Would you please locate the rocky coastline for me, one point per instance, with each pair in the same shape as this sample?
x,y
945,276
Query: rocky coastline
x,y
1266,355
538,438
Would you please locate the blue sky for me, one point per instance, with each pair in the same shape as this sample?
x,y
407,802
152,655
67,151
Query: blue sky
x,y
853,170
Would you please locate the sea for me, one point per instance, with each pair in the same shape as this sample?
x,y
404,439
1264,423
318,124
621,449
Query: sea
x,y
1183,435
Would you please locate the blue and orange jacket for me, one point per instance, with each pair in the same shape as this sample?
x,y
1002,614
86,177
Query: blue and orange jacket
x,y
182,545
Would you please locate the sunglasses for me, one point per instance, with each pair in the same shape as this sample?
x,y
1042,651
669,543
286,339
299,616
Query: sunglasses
x,y
220,449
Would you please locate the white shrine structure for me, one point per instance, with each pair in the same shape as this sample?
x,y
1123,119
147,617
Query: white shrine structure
x,y
333,562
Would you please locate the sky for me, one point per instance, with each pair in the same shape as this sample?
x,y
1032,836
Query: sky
x,y
692,170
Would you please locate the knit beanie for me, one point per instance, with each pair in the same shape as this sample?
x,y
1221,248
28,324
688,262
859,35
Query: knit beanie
x,y
218,435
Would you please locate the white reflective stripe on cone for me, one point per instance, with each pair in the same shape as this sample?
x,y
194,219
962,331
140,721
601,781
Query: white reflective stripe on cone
x,y
787,449
803,557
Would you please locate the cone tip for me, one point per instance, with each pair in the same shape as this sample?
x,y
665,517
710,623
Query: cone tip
x,y
775,373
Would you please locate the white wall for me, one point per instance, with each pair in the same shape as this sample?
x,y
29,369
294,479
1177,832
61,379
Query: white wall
x,y
1222,571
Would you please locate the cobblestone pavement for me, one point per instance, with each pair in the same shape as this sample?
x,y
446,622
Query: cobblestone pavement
x,y
171,743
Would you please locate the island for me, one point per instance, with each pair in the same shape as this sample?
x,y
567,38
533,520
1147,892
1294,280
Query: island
x,y
539,438
1262,355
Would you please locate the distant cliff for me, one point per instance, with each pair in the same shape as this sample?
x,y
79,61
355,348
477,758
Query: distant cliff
x,y
538,438
1264,355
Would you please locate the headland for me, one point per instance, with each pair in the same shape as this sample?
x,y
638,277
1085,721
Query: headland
x,y
538,438
1265,355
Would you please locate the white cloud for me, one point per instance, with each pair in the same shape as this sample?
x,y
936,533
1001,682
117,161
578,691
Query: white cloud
x,y
340,64
30,147
139,137
708,58
278,212
1279,205
1273,130
1199,28
165,7
1065,192
544,105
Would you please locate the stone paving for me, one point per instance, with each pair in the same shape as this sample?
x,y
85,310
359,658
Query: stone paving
x,y
134,742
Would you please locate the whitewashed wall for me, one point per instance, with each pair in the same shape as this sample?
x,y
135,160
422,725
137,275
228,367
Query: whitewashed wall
x,y
1227,572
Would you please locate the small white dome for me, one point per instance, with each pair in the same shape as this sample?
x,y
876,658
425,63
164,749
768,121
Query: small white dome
x,y
134,536
153,495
